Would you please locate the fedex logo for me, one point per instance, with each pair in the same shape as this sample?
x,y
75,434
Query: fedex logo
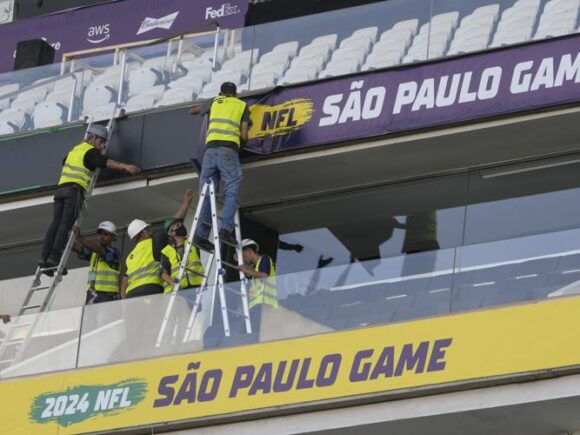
x,y
223,11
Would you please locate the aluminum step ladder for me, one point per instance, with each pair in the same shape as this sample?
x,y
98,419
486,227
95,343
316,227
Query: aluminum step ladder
x,y
215,262
14,343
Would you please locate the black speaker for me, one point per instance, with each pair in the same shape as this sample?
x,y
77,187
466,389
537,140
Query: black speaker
x,y
33,52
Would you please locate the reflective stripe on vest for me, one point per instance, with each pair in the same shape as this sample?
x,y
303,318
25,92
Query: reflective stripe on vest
x,y
74,170
193,264
106,278
264,290
225,117
142,268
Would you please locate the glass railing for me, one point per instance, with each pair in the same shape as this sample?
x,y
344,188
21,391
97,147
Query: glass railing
x,y
375,36
326,299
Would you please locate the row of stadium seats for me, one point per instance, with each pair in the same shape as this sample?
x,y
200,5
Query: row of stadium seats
x,y
428,296
155,82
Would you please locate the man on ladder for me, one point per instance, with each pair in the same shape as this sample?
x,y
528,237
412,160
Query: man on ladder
x,y
229,120
78,167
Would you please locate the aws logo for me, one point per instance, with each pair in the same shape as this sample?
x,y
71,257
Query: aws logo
x,y
281,119
98,34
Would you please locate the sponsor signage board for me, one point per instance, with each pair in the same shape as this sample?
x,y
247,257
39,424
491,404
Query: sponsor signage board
x,y
119,23
462,348
36,8
510,80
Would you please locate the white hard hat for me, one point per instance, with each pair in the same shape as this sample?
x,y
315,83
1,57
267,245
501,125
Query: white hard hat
x,y
136,227
249,242
108,226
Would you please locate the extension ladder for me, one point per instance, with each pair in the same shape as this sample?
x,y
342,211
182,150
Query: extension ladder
x,y
22,328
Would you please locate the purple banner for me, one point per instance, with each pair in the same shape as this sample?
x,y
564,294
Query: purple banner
x,y
373,104
119,23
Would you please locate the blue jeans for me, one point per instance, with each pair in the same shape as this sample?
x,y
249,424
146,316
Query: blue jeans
x,y
223,164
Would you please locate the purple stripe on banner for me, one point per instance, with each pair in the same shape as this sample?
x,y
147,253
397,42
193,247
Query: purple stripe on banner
x,y
515,79
118,23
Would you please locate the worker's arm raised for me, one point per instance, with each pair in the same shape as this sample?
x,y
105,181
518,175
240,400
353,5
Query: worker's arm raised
x,y
182,210
124,285
95,247
131,169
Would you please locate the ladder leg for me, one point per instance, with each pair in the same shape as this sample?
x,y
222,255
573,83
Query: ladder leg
x,y
243,290
199,295
48,296
219,278
182,266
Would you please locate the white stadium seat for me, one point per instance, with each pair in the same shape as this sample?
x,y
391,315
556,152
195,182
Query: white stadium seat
x,y
12,120
49,113
143,78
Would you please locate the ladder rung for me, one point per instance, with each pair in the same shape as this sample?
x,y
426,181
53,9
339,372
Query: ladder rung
x,y
15,342
237,313
35,289
232,290
21,325
233,266
30,307
48,269
225,242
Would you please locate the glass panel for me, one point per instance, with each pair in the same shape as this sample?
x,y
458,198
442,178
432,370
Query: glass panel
x,y
171,73
520,235
336,43
128,330
34,98
52,345
460,26
16,276
366,225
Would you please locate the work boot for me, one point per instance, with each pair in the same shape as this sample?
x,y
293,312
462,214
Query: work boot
x,y
228,237
202,243
53,263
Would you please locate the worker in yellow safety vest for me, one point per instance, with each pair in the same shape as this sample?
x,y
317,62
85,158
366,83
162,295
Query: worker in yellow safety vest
x,y
77,170
227,131
172,256
103,258
263,289
143,274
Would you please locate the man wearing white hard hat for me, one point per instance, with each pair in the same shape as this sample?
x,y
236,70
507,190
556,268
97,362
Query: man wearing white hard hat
x,y
103,258
263,290
143,274
77,170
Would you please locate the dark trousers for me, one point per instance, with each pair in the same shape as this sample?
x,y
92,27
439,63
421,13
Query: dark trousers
x,y
68,201
145,290
96,297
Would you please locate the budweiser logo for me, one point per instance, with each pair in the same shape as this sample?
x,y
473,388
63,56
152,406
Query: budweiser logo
x,y
157,23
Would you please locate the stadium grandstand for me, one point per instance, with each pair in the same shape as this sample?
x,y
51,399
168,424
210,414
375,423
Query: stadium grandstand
x,y
407,253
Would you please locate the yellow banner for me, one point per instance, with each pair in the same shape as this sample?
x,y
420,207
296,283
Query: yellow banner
x,y
428,352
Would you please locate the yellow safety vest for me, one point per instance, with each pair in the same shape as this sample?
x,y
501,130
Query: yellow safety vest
x,y
74,170
193,264
102,277
142,268
265,290
225,117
